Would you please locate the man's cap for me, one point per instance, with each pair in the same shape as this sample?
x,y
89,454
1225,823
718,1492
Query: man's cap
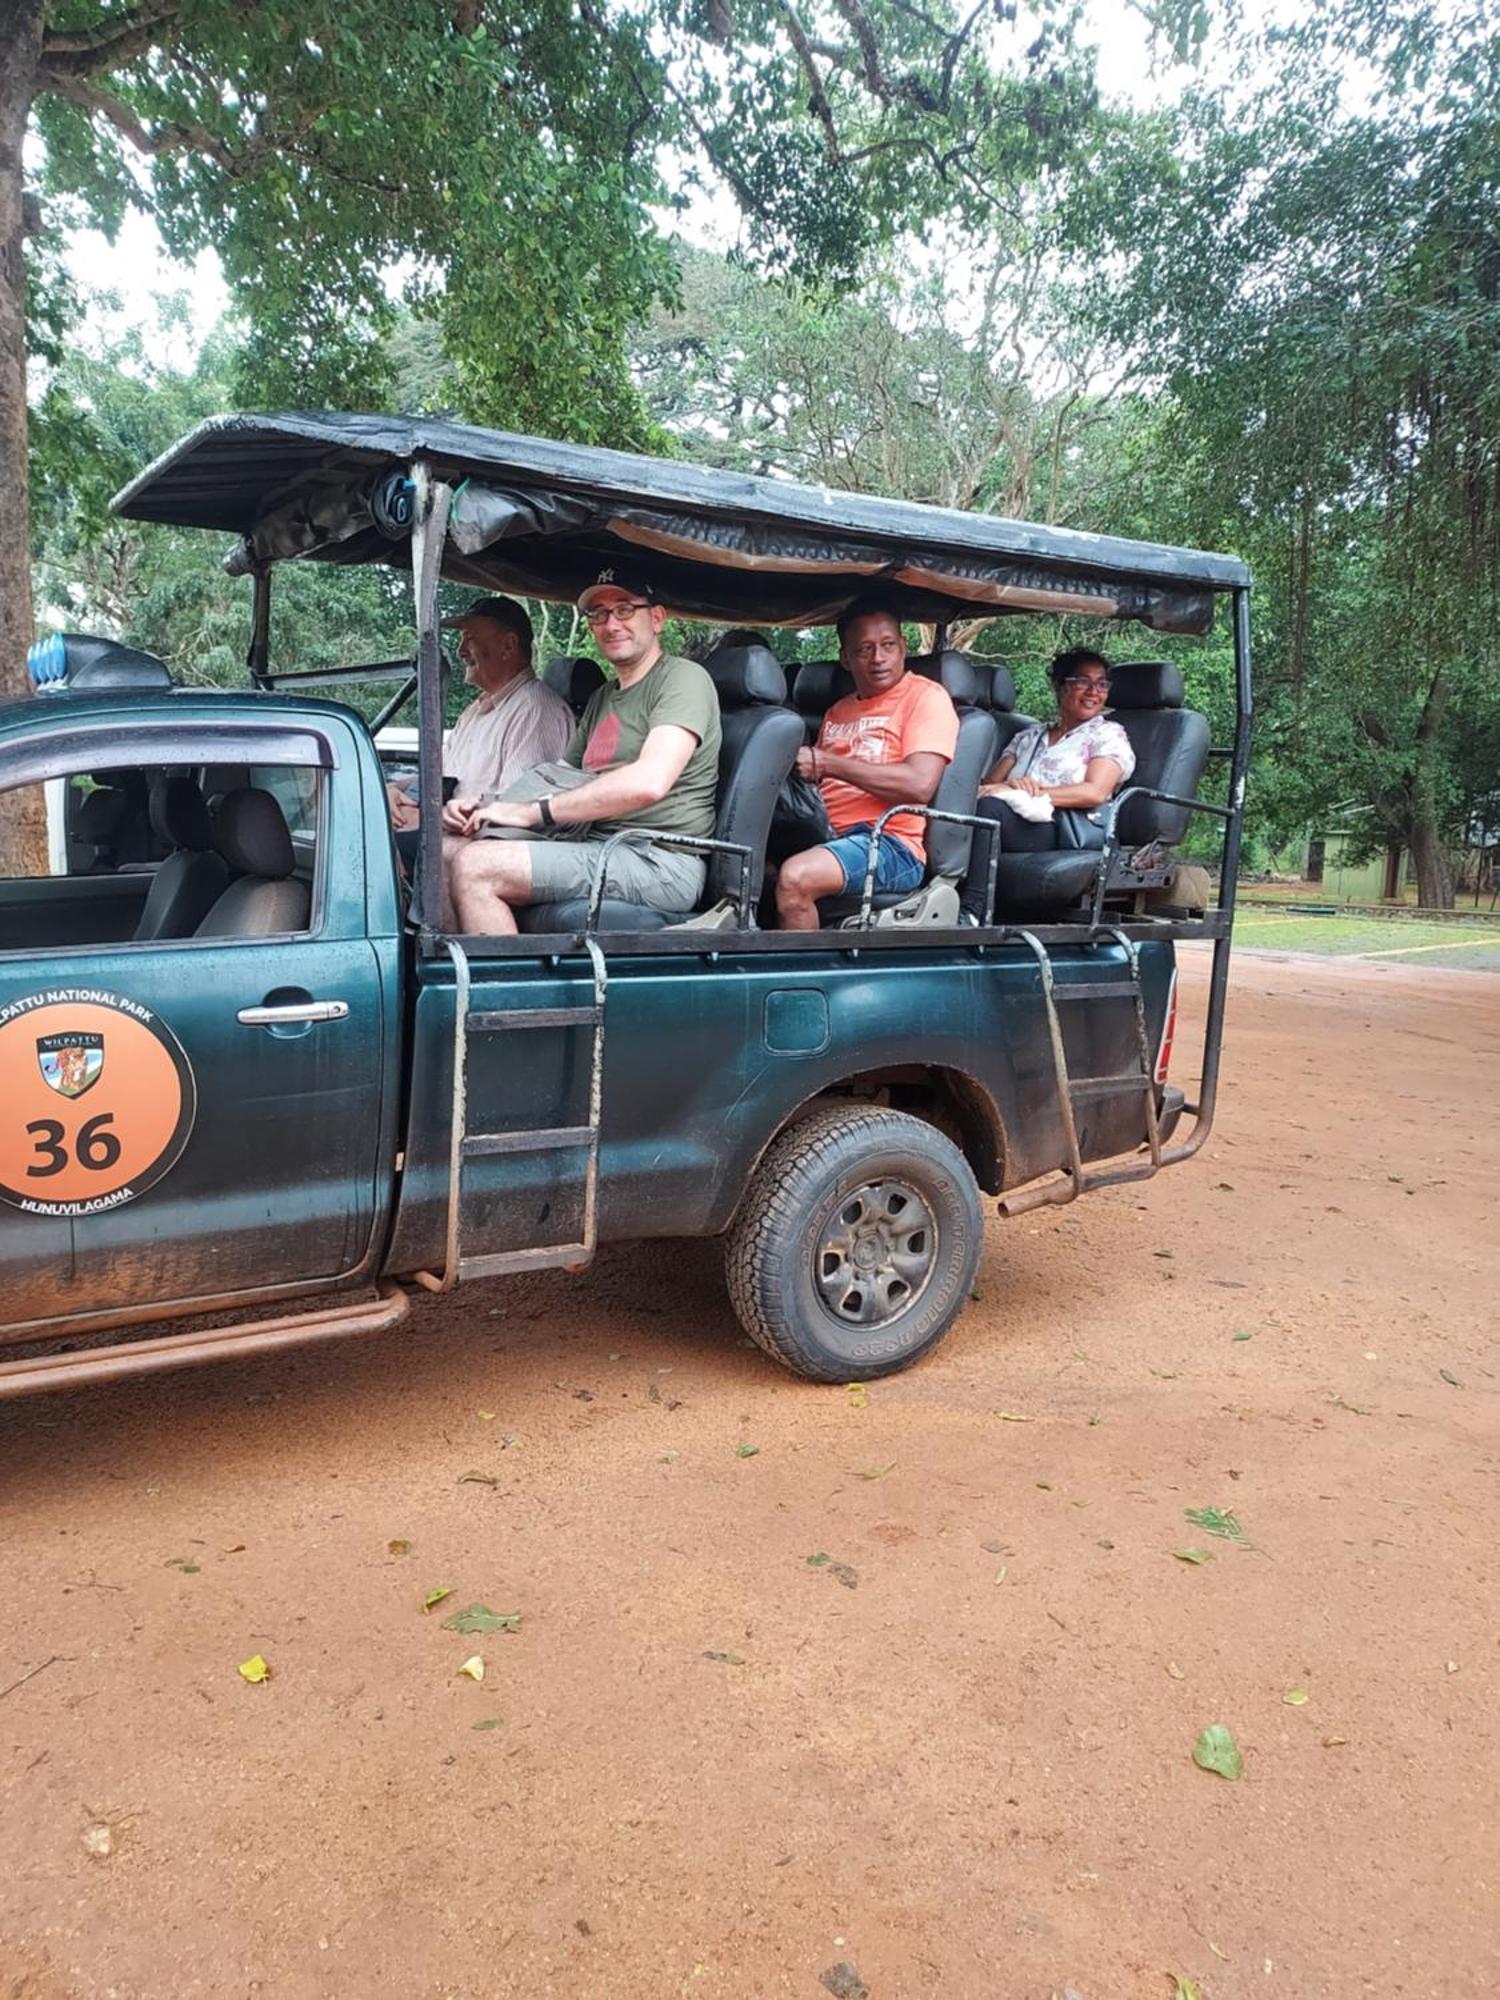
x,y
502,610
626,580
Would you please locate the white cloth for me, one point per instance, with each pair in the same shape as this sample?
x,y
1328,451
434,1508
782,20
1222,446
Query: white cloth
x,y
1028,805
501,735
1066,761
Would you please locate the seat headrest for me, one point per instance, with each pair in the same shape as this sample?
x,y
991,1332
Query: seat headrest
x,y
575,677
101,814
1145,684
818,685
251,834
953,671
746,676
179,815
1002,689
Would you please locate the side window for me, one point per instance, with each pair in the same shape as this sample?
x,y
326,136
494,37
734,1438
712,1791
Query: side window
x,y
148,855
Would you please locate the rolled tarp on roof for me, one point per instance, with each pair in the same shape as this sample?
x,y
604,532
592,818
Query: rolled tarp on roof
x,y
539,517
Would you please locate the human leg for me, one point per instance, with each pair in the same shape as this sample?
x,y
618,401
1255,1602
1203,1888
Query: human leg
x,y
803,880
488,877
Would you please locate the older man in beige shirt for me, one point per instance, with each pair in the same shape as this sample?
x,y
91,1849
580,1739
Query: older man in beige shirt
x,y
517,721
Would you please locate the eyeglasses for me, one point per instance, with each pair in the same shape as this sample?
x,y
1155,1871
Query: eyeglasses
x,y
1099,681
597,620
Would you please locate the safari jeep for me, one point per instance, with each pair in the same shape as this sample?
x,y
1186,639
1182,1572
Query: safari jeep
x,y
247,1082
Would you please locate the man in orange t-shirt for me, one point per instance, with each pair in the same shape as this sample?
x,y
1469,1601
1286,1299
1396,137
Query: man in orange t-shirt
x,y
886,744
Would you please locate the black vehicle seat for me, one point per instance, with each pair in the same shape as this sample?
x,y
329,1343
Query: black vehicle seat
x,y
193,876
575,677
816,686
1171,746
1002,705
98,824
761,739
265,900
936,902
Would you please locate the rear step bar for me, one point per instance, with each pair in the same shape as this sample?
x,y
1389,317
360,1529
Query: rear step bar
x,y
186,1350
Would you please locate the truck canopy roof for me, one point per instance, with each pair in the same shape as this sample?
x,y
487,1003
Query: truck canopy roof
x,y
543,518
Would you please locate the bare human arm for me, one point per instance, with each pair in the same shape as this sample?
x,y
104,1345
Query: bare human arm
x,y
1101,780
911,782
610,795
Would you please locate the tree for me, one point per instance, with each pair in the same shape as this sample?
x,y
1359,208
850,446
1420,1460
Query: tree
x,y
1318,291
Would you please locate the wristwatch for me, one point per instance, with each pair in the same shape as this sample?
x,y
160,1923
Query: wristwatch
x,y
544,808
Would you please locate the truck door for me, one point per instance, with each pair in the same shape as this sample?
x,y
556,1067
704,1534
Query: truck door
x,y
197,1114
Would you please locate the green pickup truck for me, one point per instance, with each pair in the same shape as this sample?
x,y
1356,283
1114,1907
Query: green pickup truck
x,y
247,1082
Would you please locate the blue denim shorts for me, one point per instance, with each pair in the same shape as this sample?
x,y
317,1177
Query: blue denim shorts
x,y
897,868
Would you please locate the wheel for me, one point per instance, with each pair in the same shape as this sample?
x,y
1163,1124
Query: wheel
x,y
855,1245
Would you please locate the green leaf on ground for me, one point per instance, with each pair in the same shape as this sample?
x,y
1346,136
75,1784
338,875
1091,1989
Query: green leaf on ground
x,y
747,1451
1296,1697
1193,1555
1184,1988
875,1471
489,1722
1216,1521
1217,1751
480,1618
182,1563
436,1596
1243,1334
820,1560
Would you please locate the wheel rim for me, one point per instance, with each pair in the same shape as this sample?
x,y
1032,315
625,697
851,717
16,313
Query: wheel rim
x,y
876,1254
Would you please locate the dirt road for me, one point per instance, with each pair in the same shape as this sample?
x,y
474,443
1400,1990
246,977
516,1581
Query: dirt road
x,y
954,1758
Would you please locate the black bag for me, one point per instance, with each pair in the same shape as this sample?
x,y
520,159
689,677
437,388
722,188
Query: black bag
x,y
1075,828
800,820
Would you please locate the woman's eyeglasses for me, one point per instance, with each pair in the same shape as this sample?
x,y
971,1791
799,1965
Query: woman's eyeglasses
x,y
597,620
1099,681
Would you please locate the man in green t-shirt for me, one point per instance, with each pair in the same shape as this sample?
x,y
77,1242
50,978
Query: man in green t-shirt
x,y
645,754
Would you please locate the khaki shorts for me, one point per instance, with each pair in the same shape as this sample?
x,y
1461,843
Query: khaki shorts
x,y
564,867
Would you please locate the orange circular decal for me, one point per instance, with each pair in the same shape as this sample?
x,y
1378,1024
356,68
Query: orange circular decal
x,y
96,1101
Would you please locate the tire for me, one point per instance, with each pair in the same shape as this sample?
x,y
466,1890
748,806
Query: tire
x,y
855,1246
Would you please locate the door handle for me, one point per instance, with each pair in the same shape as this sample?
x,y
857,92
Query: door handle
x,y
293,1012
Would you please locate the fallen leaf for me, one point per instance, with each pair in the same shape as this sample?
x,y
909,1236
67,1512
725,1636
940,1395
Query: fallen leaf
x,y
1044,1486
1243,1334
726,1659
1193,1555
844,1983
819,1560
398,1548
1184,1988
1175,1671
480,1618
747,1451
486,1416
858,1395
473,1668
1452,1667
255,1670
1163,1253
653,1394
489,1722
1334,1742
614,1357
1010,1417
1216,1951
1449,1377
1217,1751
182,1563
98,1841
476,1479
1296,1697
1216,1521
875,1471
436,1596
848,1577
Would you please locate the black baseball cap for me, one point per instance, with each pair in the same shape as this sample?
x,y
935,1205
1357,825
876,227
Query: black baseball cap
x,y
633,585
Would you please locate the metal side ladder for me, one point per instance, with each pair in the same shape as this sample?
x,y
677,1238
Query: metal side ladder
x,y
1071,1091
468,1145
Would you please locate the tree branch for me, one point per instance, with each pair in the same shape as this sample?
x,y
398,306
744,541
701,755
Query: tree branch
x,y
87,51
818,104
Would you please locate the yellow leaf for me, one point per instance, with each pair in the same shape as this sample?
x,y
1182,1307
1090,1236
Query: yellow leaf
x,y
1010,1417
436,1596
473,1667
255,1669
1175,1671
858,1396
1296,1697
486,1416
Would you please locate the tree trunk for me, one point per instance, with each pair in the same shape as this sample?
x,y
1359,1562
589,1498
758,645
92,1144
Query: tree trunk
x,y
23,826
1434,875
